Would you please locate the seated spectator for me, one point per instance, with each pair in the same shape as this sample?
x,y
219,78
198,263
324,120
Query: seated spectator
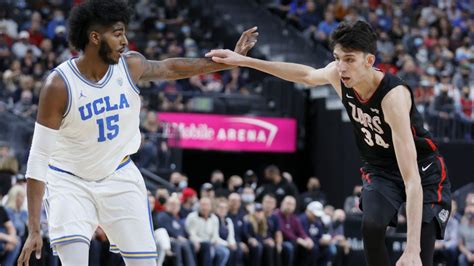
x,y
162,194
9,242
251,179
338,238
248,198
218,181
226,232
466,237
188,201
207,191
236,213
235,184
169,219
351,204
313,193
23,44
233,81
326,27
314,228
203,228
442,112
269,204
8,168
277,185
296,241
16,213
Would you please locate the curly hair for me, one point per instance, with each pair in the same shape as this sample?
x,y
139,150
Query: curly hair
x,y
95,13
357,36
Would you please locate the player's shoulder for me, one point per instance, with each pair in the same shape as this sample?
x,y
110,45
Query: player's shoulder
x,y
55,83
133,57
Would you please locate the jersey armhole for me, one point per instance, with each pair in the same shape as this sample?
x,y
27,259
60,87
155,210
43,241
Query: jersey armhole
x,y
68,90
127,72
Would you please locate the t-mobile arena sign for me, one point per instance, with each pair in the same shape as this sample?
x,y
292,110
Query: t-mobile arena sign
x,y
230,133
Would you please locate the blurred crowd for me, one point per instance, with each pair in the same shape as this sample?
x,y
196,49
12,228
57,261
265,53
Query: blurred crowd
x,y
429,44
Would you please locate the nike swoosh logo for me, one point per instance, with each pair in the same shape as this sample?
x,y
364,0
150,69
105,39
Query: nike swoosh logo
x,y
350,97
424,168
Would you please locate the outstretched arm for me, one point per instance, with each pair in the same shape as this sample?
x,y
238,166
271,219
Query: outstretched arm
x,y
288,71
396,108
179,68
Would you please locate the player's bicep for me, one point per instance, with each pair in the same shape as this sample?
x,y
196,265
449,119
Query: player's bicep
x,y
325,76
53,101
396,108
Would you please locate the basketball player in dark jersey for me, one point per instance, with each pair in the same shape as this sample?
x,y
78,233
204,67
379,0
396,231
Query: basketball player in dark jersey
x,y
401,162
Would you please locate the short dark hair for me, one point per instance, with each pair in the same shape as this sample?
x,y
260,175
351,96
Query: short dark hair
x,y
272,169
93,13
357,36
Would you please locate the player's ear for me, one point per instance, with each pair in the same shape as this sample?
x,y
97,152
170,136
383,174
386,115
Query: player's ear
x,y
94,37
370,60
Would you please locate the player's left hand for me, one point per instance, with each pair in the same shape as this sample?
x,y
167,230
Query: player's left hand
x,y
247,41
409,259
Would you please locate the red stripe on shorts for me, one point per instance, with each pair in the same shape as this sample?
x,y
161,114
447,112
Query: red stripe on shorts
x,y
443,177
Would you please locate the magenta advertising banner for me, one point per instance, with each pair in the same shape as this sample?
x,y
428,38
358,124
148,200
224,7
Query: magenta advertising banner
x,y
230,133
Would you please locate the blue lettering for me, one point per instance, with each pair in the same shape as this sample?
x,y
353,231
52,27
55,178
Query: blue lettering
x,y
123,102
96,103
89,111
107,104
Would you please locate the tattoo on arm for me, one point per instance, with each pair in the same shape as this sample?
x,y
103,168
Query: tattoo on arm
x,y
179,68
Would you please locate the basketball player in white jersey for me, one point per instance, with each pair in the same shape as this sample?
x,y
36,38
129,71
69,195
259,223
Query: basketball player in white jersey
x,y
87,126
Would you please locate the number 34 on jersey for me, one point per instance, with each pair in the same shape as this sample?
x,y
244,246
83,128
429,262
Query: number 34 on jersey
x,y
371,128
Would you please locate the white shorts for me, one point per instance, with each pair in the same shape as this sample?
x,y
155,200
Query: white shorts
x,y
118,203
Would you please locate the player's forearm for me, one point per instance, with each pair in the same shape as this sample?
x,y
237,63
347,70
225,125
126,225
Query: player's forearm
x,y
414,210
288,71
35,192
180,68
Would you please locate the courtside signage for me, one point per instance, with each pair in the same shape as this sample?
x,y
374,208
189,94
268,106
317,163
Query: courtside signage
x,y
230,133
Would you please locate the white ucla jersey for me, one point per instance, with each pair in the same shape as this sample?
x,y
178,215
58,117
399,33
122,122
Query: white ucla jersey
x,y
101,124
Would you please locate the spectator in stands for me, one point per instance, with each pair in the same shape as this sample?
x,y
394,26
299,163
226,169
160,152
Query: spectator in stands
x,y
203,229
326,27
251,179
351,204
248,198
23,44
8,168
313,193
235,184
465,115
233,81
180,245
338,238
464,77
207,191
25,107
269,203
162,194
236,213
312,223
409,74
218,181
296,241
466,237
226,232
9,242
446,250
175,179
276,185
15,211
442,111
11,78
188,201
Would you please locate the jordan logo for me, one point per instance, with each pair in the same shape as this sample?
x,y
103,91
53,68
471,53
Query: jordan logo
x,y
120,81
82,95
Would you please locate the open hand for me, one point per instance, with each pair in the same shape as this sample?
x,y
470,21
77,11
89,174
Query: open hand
x,y
247,41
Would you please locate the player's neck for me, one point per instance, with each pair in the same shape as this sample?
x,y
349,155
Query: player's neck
x,y
367,86
92,66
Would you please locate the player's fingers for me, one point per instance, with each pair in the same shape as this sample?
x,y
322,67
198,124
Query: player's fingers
x,y
218,52
218,59
251,30
38,252
24,257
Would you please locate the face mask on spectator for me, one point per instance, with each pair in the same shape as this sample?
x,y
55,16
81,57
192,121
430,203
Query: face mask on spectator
x,y
183,184
218,184
248,198
162,200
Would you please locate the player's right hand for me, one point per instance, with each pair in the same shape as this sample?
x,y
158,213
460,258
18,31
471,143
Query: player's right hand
x,y
33,242
225,56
